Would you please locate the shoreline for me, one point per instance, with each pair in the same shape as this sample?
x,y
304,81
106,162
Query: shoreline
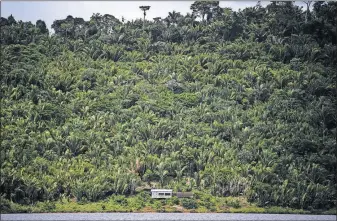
x,y
328,212
136,204
316,214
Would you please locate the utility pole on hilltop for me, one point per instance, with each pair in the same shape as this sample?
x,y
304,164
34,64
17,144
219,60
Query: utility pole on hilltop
x,y
144,9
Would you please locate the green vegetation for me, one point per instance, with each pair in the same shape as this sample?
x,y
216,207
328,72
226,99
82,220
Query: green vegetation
x,y
136,203
239,107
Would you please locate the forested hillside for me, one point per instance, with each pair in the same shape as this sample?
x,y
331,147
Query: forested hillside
x,y
217,101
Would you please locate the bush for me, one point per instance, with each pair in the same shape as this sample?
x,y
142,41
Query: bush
x,y
233,203
120,199
5,206
14,207
175,200
136,203
48,206
206,200
157,205
189,204
144,196
172,201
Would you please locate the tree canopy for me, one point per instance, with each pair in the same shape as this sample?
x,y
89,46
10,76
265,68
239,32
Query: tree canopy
x,y
242,103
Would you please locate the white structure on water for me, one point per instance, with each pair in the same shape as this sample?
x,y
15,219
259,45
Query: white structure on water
x,y
161,193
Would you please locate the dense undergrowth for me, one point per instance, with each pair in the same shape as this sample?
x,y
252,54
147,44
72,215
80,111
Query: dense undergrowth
x,y
235,104
143,203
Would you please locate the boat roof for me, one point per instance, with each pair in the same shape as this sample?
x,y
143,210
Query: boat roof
x,y
161,190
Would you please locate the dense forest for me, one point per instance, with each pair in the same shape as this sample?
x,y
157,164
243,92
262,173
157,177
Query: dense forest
x,y
229,103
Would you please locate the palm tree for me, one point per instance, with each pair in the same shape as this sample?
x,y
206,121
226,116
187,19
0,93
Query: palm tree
x,y
172,18
162,173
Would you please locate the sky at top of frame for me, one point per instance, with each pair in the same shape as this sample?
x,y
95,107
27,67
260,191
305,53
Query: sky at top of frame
x,y
49,11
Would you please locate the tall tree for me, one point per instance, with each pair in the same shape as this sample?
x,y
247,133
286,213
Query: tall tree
x,y
202,8
307,12
41,25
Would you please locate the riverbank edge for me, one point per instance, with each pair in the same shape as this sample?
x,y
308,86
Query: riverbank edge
x,y
97,208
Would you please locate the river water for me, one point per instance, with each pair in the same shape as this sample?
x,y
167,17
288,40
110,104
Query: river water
x,y
164,216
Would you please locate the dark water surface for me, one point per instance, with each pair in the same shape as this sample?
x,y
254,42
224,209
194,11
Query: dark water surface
x,y
163,216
